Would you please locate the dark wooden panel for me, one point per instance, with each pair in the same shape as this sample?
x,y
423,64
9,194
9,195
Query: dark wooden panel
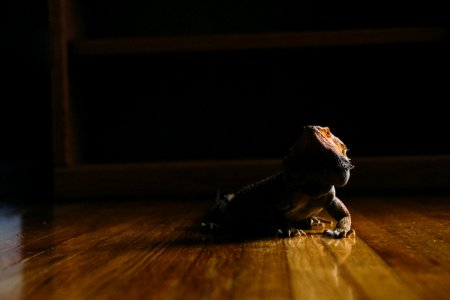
x,y
407,173
283,40
379,99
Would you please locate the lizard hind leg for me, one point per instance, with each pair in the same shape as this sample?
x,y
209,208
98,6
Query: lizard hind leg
x,y
284,228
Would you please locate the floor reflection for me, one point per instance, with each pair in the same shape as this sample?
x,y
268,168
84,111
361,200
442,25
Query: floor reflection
x,y
318,268
10,252
25,231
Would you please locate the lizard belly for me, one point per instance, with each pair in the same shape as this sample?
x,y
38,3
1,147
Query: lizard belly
x,y
304,207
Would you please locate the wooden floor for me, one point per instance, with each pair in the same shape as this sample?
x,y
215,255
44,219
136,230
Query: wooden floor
x,y
152,250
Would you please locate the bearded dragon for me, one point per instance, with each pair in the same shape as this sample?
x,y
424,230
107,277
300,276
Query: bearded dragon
x,y
288,202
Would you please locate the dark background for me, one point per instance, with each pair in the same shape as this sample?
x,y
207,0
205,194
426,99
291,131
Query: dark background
x,y
381,100
25,105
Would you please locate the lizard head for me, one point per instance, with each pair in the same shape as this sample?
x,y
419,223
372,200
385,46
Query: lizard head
x,y
318,156
323,139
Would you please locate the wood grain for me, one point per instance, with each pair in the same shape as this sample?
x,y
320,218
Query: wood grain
x,y
416,228
153,250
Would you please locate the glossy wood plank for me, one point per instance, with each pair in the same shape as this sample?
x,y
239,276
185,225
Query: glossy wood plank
x,y
412,235
153,250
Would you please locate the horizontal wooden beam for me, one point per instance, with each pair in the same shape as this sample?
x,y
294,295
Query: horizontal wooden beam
x,y
170,178
226,42
208,177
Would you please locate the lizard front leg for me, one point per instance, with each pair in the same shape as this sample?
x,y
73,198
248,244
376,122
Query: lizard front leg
x,y
340,213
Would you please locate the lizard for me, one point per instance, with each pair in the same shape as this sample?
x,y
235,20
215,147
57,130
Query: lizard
x,y
290,200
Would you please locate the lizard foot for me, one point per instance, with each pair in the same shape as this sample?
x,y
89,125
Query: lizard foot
x,y
209,227
314,223
290,232
338,233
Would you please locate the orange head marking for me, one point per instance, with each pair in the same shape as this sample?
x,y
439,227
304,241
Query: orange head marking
x,y
334,143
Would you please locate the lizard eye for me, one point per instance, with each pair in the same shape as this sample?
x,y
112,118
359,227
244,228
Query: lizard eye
x,y
327,132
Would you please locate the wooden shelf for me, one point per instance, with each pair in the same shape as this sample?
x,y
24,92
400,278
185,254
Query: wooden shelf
x,y
229,42
207,177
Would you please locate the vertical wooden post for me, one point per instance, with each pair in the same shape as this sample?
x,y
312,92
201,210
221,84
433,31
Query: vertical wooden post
x,y
64,20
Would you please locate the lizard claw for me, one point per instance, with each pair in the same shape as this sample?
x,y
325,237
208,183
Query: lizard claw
x,y
290,232
209,226
338,233
300,232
